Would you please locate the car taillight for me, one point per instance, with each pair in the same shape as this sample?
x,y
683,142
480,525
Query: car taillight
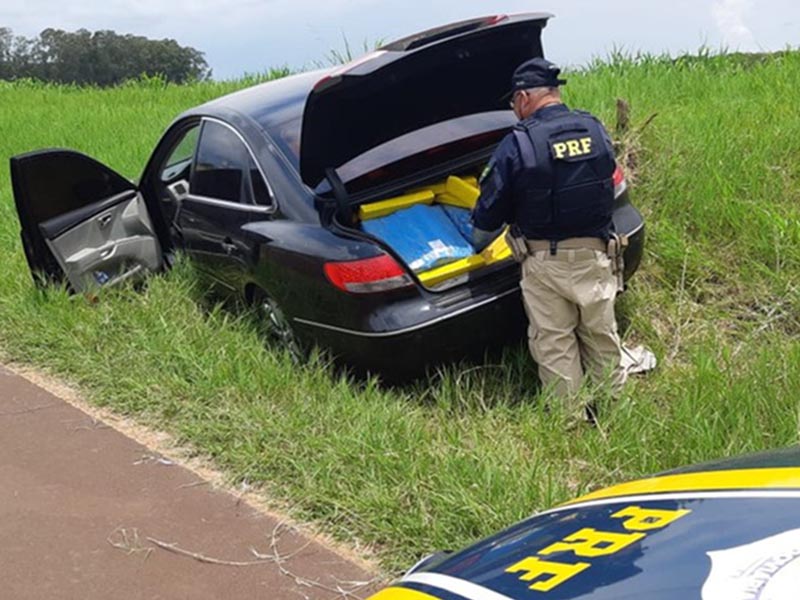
x,y
619,182
368,275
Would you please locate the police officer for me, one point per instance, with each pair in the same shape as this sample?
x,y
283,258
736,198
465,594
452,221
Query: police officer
x,y
551,180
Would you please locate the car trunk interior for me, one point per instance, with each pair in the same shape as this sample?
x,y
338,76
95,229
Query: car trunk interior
x,y
429,228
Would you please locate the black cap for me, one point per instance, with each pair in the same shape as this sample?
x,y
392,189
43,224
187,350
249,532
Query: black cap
x,y
537,72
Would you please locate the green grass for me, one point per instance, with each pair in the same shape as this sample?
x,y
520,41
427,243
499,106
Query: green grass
x,y
470,450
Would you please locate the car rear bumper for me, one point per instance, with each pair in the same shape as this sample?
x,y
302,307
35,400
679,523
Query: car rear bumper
x,y
465,332
401,339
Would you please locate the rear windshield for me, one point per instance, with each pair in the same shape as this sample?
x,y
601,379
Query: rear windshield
x,y
284,127
280,112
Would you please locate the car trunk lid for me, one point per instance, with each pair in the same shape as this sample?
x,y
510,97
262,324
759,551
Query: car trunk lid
x,y
435,76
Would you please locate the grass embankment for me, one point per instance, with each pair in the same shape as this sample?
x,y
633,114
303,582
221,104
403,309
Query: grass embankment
x,y
469,451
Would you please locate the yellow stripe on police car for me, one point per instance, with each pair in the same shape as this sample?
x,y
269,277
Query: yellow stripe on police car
x,y
398,593
775,478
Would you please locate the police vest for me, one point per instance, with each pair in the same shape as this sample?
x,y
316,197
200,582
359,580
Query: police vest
x,y
566,186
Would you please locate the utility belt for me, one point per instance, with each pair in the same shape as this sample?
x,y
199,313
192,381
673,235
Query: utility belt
x,y
577,243
521,248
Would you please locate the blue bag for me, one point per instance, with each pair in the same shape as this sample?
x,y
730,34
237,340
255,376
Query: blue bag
x,y
424,236
461,219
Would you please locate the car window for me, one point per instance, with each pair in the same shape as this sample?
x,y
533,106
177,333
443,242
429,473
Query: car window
x,y
179,162
280,113
261,194
225,169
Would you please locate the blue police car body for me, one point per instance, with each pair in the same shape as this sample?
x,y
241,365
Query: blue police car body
x,y
728,530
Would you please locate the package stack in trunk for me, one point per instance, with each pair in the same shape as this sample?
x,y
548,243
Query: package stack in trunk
x,y
430,230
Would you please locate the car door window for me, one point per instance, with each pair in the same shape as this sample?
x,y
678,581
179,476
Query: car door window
x,y
179,162
225,169
261,194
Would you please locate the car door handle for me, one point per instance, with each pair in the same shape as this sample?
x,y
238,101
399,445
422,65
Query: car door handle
x,y
104,220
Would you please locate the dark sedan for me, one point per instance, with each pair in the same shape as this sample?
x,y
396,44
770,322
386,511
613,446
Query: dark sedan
x,y
302,194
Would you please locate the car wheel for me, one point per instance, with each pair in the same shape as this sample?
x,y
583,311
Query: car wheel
x,y
278,326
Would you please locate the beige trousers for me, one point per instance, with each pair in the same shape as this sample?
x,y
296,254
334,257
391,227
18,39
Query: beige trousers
x,y
569,299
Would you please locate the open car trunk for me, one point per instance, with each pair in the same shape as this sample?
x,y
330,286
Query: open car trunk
x,y
427,227
448,77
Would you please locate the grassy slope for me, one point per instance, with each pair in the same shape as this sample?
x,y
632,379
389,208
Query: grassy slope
x,y
469,451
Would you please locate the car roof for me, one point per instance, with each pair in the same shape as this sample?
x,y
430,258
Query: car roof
x,y
270,95
275,107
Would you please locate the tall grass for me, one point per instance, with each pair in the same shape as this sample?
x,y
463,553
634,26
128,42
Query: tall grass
x,y
469,450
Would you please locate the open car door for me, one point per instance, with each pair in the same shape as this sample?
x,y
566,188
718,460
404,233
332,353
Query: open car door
x,y
81,222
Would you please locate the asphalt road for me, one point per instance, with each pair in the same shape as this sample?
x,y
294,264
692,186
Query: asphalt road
x,y
86,513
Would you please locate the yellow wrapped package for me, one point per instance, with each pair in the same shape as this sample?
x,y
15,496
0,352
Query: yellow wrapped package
x,y
459,192
496,251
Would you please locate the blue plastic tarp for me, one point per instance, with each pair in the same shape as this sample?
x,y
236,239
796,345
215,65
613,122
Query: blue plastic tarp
x,y
424,236
461,218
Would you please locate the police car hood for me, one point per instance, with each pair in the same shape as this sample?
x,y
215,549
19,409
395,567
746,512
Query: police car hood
x,y
460,69
720,532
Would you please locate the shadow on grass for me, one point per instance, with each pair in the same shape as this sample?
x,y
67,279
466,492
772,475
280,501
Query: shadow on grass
x,y
484,379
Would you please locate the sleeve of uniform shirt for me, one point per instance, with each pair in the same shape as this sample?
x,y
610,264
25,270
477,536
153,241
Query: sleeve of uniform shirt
x,y
494,207
606,136
610,145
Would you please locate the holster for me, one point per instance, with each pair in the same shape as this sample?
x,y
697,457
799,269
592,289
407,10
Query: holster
x,y
516,242
616,253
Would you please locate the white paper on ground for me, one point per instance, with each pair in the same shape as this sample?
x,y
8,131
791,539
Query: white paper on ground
x,y
638,360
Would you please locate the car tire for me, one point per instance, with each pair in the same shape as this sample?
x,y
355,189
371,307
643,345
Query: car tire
x,y
277,324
